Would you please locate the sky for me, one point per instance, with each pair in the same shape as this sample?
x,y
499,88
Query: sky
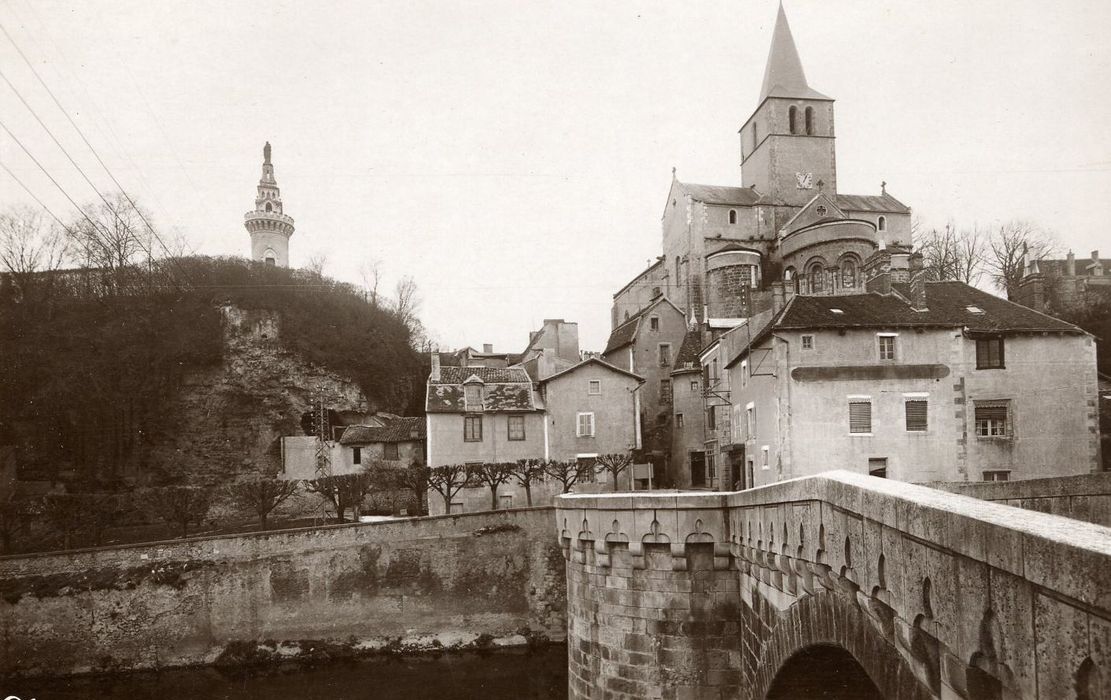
x,y
514,158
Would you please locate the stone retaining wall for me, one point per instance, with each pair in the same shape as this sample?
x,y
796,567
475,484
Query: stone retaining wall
x,y
1084,497
453,581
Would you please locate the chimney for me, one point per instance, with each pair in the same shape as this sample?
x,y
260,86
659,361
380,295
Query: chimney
x,y
1070,265
435,376
488,348
777,297
1097,264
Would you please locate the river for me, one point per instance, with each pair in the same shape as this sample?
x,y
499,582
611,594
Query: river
x,y
495,675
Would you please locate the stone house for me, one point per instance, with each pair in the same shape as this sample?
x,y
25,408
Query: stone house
x,y
1056,285
687,463
927,381
400,441
647,345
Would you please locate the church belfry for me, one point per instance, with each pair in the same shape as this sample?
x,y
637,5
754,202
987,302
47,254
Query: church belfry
x,y
270,229
787,145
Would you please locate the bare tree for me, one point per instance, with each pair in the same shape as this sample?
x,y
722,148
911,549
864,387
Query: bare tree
x,y
179,505
526,472
447,481
29,244
615,464
493,475
950,254
317,263
567,472
1011,246
415,478
407,300
371,274
342,492
261,495
113,238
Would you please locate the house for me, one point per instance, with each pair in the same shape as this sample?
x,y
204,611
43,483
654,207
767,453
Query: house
x,y
646,345
687,463
591,409
482,414
926,381
382,436
1056,285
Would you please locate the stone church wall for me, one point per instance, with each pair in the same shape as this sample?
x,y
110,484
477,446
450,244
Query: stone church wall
x,y
424,583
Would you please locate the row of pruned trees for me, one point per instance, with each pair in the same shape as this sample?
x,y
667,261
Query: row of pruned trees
x,y
449,480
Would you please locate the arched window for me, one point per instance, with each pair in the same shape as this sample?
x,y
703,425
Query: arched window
x,y
755,137
810,121
883,223
271,262
792,119
732,216
269,207
815,278
848,274
678,272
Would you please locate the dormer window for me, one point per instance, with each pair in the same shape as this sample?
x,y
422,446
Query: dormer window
x,y
472,394
974,309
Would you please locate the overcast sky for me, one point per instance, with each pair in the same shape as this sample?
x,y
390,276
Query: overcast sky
x,y
514,157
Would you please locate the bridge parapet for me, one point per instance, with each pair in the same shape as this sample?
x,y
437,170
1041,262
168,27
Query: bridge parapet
x,y
932,593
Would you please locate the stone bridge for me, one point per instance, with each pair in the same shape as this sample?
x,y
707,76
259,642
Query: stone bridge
x,y
843,581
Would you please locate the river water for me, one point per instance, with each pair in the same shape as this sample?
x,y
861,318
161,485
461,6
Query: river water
x,y
495,675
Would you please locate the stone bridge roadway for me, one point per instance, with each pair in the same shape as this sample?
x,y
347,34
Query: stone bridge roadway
x,y
857,583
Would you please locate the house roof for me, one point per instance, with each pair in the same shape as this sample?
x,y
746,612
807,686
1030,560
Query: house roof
x,y
884,203
504,389
590,361
687,358
720,194
947,306
626,333
1058,266
396,430
641,274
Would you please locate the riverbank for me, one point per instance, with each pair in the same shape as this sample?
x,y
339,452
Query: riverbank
x,y
469,581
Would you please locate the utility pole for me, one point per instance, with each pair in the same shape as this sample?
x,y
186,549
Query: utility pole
x,y
322,429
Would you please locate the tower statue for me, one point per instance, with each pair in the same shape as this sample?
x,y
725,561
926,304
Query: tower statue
x,y
270,229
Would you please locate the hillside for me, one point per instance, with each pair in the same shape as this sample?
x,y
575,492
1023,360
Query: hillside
x,y
188,370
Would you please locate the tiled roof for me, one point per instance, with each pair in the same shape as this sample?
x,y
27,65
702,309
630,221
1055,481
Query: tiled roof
x,y
624,334
396,430
883,203
688,353
947,306
718,194
592,361
504,389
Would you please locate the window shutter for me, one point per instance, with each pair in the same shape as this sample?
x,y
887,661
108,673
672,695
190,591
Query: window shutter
x,y
860,416
916,415
991,411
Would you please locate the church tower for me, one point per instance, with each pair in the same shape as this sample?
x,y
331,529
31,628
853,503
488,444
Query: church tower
x,y
787,145
270,229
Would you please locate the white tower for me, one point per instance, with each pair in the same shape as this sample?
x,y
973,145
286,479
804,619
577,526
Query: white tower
x,y
270,229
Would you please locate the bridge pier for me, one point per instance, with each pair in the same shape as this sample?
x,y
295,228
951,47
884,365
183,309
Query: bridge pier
x,y
933,595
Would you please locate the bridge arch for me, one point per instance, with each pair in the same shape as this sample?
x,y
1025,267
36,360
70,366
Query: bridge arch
x,y
820,629
823,671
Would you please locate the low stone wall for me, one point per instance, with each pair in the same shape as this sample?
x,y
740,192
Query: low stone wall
x,y
1084,497
465,580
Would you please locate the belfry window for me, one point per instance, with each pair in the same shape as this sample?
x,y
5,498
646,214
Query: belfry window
x,y
792,119
269,206
732,216
810,121
882,223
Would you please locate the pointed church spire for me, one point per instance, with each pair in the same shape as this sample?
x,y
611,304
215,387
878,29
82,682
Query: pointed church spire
x,y
784,76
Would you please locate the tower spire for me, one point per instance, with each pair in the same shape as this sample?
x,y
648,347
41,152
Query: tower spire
x,y
269,227
783,76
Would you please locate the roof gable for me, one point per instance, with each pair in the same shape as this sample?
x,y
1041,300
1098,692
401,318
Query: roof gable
x,y
821,207
626,333
883,204
591,361
504,389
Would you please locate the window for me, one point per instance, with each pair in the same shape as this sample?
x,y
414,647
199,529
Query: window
x,y
882,223
678,420
810,121
750,420
848,274
755,137
588,469
792,118
665,391
585,425
807,342
877,466
506,501
694,386
390,452
356,455
997,475
750,475
860,416
711,421
992,419
472,395
916,411
654,323
678,272
594,387
665,354
456,507
269,207
887,347
270,262
711,468
989,353
472,428
714,369
516,427
744,374
764,457
732,216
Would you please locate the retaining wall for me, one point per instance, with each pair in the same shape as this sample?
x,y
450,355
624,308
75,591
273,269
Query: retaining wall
x,y
1084,497
464,580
